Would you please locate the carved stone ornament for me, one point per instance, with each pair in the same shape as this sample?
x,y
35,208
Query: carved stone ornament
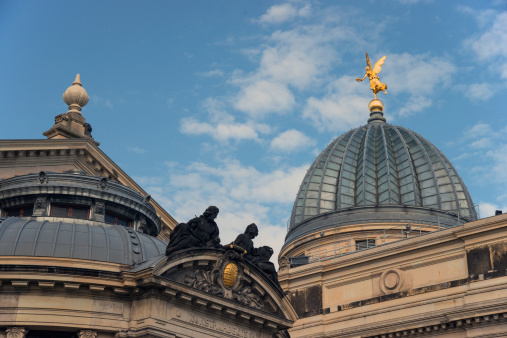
x,y
16,332
42,178
87,334
391,280
284,263
147,199
143,225
227,280
39,207
40,203
100,208
103,183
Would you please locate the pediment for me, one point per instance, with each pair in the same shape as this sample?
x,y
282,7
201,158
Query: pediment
x,y
224,273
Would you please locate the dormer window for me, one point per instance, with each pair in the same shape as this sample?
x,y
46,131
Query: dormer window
x,y
70,211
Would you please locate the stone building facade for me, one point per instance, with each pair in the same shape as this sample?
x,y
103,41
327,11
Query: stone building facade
x,y
384,241
83,252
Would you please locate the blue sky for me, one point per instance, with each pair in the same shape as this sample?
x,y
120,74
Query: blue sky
x,y
227,103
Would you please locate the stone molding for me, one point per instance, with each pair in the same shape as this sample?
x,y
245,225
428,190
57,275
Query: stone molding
x,y
439,327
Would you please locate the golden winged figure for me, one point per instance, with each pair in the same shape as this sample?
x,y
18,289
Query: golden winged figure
x,y
375,84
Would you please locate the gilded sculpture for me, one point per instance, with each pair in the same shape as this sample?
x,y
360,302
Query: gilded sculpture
x,y
372,73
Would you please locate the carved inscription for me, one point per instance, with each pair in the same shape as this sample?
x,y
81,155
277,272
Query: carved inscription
x,y
220,326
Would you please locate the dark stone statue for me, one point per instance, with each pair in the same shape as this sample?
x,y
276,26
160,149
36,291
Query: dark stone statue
x,y
258,256
201,231
264,253
244,240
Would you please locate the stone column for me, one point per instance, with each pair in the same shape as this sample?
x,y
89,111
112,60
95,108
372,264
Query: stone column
x,y
87,334
16,332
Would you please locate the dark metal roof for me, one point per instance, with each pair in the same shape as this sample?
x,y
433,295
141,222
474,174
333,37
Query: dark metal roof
x,y
105,243
380,165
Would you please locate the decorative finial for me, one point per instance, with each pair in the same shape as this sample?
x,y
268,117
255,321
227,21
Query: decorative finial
x,y
76,96
77,81
375,84
376,111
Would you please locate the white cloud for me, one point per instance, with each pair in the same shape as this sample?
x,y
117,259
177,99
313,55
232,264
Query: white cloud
x,y
220,132
491,46
242,193
264,97
290,141
295,59
480,129
482,143
498,171
222,126
136,150
213,72
418,75
488,209
480,91
344,106
284,12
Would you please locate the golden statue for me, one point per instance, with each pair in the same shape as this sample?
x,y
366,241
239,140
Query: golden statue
x,y
375,84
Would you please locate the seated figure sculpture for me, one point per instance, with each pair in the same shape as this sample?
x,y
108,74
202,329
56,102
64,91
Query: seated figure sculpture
x,y
244,240
258,256
201,231
264,253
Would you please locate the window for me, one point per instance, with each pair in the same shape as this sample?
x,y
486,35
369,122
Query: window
x,y
19,212
70,211
115,219
365,244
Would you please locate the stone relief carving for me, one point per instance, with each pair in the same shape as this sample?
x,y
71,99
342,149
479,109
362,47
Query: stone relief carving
x,y
100,208
147,199
215,281
143,225
226,277
283,263
43,177
39,207
391,280
16,332
103,183
201,231
87,334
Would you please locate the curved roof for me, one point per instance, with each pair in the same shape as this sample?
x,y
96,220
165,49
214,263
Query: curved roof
x,y
76,185
377,165
108,243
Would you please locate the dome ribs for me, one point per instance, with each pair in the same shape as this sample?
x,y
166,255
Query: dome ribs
x,y
347,177
380,167
451,201
366,180
408,187
329,181
388,187
313,188
426,175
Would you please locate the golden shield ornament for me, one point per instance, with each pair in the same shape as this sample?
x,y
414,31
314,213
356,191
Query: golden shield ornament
x,y
230,274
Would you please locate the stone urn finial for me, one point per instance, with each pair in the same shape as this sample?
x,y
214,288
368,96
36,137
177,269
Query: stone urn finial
x,y
76,96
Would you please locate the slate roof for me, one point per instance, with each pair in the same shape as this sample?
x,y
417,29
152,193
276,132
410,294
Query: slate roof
x,y
105,243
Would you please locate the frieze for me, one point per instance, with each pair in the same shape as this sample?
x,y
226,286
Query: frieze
x,y
219,326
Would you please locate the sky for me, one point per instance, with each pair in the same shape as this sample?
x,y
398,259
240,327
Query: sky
x,y
228,103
